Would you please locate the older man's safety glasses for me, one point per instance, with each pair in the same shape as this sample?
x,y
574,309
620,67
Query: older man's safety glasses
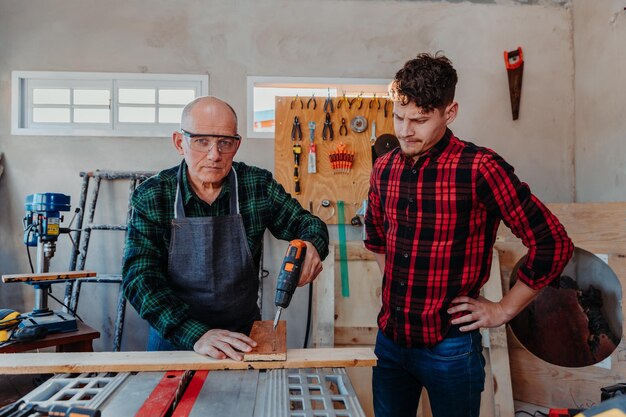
x,y
202,142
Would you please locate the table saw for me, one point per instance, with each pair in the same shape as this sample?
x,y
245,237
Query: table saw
x,y
311,392
309,383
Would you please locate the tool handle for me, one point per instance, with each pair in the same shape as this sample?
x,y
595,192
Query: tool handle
x,y
290,271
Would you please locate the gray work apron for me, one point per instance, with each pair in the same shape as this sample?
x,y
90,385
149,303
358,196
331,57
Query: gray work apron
x,y
211,267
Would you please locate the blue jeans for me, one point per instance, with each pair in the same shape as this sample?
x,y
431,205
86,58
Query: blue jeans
x,y
157,343
453,373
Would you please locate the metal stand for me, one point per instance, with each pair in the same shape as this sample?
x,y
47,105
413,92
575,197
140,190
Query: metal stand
x,y
54,321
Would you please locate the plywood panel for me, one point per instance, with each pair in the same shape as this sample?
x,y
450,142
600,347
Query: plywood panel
x,y
597,228
41,363
325,184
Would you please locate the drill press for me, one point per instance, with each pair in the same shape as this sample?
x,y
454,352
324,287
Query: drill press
x,y
42,227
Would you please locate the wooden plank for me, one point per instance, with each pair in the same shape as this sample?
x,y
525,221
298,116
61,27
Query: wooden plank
x,y
361,308
352,187
355,335
271,344
356,251
498,350
36,363
598,228
47,276
324,303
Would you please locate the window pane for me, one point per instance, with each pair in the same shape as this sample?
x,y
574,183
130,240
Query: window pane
x,y
176,96
51,96
91,115
137,96
92,97
265,100
51,115
169,115
137,114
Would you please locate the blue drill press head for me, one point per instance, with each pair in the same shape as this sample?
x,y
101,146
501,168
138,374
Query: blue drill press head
x,y
43,216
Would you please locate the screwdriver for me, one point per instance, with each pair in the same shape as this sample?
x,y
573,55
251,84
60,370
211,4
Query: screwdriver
x,y
289,276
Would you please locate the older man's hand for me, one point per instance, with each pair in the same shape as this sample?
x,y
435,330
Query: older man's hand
x,y
312,265
222,344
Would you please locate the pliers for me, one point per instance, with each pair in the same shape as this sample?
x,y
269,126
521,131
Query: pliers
x,y
308,103
296,129
296,98
342,99
328,104
359,99
375,100
328,128
343,129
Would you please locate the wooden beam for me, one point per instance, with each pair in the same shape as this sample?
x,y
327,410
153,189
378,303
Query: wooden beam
x,y
498,350
42,363
271,344
47,276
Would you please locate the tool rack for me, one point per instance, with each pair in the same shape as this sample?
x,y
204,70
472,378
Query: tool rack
x,y
350,186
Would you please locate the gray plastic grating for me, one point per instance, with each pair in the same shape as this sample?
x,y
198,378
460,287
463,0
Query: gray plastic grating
x,y
324,392
87,390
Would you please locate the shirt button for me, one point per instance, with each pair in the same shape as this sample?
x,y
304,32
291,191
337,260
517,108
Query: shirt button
x,y
402,284
411,200
406,255
398,308
414,171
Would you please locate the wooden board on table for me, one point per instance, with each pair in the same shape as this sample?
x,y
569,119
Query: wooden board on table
x,y
47,276
350,187
42,363
271,344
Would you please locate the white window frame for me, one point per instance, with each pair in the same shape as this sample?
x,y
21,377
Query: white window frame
x,y
22,83
363,85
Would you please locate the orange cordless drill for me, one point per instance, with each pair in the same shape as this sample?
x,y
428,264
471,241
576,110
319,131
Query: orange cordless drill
x,y
289,276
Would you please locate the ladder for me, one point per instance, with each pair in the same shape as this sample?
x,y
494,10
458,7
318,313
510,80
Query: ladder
x,y
82,234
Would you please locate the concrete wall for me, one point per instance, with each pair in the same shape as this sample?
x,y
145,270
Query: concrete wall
x,y
232,39
600,91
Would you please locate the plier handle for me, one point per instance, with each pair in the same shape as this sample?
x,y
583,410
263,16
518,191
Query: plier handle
x,y
343,99
296,130
308,103
328,128
385,107
375,100
296,98
343,129
328,104
359,100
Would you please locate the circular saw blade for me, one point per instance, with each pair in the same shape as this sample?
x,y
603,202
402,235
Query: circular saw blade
x,y
385,143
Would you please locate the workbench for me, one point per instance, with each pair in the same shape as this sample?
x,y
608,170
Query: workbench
x,y
78,341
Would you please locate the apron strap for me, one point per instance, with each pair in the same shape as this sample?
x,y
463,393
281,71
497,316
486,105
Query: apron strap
x,y
234,191
179,209
178,203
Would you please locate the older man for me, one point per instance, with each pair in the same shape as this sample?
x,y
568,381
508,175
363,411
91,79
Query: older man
x,y
194,240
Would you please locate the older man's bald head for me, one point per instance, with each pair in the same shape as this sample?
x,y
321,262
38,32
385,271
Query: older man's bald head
x,y
208,110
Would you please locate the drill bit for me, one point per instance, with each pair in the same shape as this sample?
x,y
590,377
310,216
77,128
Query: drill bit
x,y
277,317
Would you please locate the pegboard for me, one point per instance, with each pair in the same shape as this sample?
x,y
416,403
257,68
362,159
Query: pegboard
x,y
325,184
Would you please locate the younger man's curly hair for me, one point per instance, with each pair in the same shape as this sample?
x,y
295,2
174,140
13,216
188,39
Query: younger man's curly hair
x,y
428,81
